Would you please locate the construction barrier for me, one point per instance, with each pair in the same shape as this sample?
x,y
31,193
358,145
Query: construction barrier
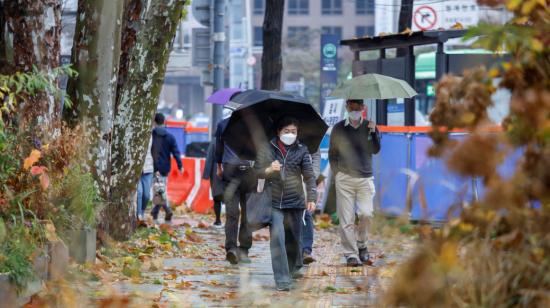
x,y
189,188
405,174
186,134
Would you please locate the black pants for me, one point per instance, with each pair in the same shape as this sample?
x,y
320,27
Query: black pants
x,y
238,184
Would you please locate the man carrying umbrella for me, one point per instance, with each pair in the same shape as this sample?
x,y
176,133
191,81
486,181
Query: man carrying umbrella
x,y
353,141
239,181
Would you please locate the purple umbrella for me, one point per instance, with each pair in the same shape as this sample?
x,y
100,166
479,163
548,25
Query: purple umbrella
x,y
221,97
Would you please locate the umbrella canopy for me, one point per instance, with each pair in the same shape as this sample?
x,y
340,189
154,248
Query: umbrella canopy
x,y
221,97
253,123
373,86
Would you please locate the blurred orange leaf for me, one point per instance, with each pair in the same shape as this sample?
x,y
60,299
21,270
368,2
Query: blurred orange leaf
x,y
32,159
457,26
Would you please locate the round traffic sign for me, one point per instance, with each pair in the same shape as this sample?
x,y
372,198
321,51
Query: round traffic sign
x,y
425,17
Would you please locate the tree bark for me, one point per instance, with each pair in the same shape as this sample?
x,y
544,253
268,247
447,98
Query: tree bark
x,y
272,62
405,21
146,48
96,54
31,32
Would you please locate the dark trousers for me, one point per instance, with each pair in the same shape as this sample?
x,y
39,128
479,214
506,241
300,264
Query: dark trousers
x,y
286,252
238,184
307,233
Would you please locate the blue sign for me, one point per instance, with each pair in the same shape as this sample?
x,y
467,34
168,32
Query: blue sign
x,y
329,65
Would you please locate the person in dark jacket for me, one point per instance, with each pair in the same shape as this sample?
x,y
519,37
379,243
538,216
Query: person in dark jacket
x,y
164,145
239,181
285,163
353,141
216,184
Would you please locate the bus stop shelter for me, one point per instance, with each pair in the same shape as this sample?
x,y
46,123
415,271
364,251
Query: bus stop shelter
x,y
403,67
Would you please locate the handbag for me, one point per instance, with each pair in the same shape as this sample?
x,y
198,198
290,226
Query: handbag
x,y
258,207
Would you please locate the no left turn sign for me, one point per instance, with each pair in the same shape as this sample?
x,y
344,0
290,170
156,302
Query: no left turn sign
x,y
425,17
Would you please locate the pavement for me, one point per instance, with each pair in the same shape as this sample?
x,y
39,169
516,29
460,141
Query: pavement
x,y
199,276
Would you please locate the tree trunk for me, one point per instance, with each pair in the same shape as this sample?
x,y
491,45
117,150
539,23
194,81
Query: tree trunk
x,y
31,32
147,42
272,62
405,21
96,54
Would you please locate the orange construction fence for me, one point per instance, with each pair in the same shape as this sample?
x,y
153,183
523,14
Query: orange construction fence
x,y
189,188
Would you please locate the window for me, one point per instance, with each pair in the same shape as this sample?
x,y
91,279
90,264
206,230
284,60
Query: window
x,y
364,7
258,36
298,37
361,31
332,30
331,7
298,7
259,7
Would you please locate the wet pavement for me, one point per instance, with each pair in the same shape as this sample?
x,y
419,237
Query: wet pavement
x,y
200,276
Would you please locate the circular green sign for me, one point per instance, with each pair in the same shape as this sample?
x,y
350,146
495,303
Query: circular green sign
x,y
329,50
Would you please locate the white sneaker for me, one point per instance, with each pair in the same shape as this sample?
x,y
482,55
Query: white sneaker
x,y
140,217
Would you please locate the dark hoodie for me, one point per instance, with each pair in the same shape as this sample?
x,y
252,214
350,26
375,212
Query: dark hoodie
x,y
164,144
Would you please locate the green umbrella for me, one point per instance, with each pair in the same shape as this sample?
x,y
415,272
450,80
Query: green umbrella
x,y
373,86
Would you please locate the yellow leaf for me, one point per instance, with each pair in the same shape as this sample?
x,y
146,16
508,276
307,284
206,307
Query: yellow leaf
x,y
513,4
466,227
49,230
506,65
457,26
448,256
407,31
537,45
528,6
32,159
521,20
494,72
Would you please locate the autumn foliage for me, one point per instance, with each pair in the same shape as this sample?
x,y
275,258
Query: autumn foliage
x,y
497,252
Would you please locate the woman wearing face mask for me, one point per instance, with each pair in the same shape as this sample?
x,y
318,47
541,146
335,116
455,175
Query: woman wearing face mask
x,y
284,163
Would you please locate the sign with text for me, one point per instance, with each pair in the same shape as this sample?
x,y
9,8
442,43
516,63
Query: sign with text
x,y
329,65
431,15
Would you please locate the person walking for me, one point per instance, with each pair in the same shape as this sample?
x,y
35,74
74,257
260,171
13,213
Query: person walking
x,y
308,230
238,181
353,141
216,184
163,146
285,163
145,181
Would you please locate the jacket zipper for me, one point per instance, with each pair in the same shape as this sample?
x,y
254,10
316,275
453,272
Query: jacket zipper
x,y
284,164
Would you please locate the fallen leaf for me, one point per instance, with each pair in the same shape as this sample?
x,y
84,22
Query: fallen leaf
x,y
32,159
184,285
202,225
38,170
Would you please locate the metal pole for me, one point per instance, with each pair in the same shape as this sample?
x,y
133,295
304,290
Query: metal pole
x,y
218,36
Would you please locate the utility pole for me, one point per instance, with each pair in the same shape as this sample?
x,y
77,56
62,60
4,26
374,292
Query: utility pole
x,y
218,37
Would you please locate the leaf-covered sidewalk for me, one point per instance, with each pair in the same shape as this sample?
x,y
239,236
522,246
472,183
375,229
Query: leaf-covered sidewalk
x,y
184,265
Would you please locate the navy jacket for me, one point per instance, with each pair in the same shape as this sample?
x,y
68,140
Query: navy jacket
x,y
210,171
287,185
164,145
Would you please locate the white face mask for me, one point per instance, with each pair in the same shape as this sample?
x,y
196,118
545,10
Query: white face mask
x,y
355,115
288,139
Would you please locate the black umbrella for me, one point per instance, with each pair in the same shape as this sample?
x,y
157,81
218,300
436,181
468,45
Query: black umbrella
x,y
253,123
